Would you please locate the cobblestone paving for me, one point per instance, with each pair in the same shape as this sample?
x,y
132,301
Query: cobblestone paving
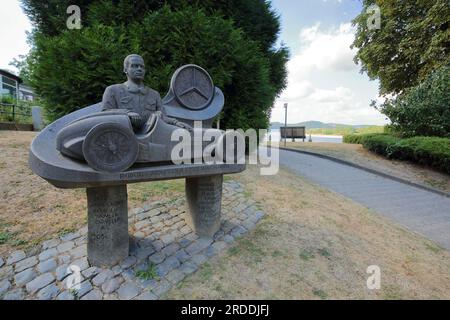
x,y
163,251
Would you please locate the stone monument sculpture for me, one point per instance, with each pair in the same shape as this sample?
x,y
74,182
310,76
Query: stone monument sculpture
x,y
127,139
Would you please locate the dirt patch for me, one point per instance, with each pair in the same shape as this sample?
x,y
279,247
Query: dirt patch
x,y
357,154
32,210
314,244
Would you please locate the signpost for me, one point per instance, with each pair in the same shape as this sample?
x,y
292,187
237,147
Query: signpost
x,y
285,121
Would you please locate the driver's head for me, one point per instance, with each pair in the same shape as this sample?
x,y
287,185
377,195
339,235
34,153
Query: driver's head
x,y
134,67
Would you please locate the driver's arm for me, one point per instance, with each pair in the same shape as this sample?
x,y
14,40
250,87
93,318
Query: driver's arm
x,y
109,102
169,120
109,99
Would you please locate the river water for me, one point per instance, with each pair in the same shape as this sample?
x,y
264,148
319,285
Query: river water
x,y
275,136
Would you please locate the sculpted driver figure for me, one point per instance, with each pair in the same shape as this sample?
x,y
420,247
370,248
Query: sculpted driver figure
x,y
140,101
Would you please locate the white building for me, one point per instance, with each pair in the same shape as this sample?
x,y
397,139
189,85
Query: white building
x,y
11,85
26,93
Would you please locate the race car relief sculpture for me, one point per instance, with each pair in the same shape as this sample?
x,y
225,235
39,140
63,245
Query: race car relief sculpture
x,y
134,125
127,139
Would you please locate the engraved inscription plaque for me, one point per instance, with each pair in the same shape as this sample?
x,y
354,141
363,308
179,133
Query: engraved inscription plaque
x,y
107,225
204,198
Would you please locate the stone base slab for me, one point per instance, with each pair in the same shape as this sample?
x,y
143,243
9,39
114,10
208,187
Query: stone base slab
x,y
204,199
108,240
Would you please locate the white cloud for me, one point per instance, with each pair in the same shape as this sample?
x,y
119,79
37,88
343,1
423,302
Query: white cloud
x,y
324,83
13,24
298,89
322,50
337,95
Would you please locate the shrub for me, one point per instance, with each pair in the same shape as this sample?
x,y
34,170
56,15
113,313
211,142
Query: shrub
x,y
401,150
7,99
22,109
423,110
353,138
379,143
430,151
360,138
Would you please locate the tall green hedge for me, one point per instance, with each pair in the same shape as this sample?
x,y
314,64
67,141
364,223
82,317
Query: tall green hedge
x,y
234,41
430,151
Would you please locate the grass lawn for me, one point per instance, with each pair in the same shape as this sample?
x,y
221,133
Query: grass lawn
x,y
357,154
313,244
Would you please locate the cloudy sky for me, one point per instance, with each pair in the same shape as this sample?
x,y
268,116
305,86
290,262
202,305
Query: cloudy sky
x,y
13,25
324,84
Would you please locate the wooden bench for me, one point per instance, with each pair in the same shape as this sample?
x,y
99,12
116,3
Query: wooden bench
x,y
293,133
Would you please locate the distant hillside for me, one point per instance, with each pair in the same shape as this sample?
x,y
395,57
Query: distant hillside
x,y
317,125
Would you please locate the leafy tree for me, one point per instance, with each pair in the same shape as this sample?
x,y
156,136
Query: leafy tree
x,y
422,110
234,40
413,42
255,17
49,16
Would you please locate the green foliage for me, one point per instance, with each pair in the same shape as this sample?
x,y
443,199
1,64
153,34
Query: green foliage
x,y
233,40
411,44
71,71
7,99
320,293
353,138
8,237
149,273
74,293
430,151
254,17
49,16
306,254
21,64
22,109
424,109
379,143
5,237
346,130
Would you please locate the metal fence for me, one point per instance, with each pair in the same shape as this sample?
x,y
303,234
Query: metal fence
x,y
14,112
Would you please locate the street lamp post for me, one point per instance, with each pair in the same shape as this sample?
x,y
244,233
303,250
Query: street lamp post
x,y
285,122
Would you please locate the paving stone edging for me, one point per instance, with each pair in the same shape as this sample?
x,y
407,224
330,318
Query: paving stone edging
x,y
162,244
385,175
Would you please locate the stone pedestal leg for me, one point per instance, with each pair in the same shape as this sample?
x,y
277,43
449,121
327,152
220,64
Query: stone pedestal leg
x,y
108,241
204,199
